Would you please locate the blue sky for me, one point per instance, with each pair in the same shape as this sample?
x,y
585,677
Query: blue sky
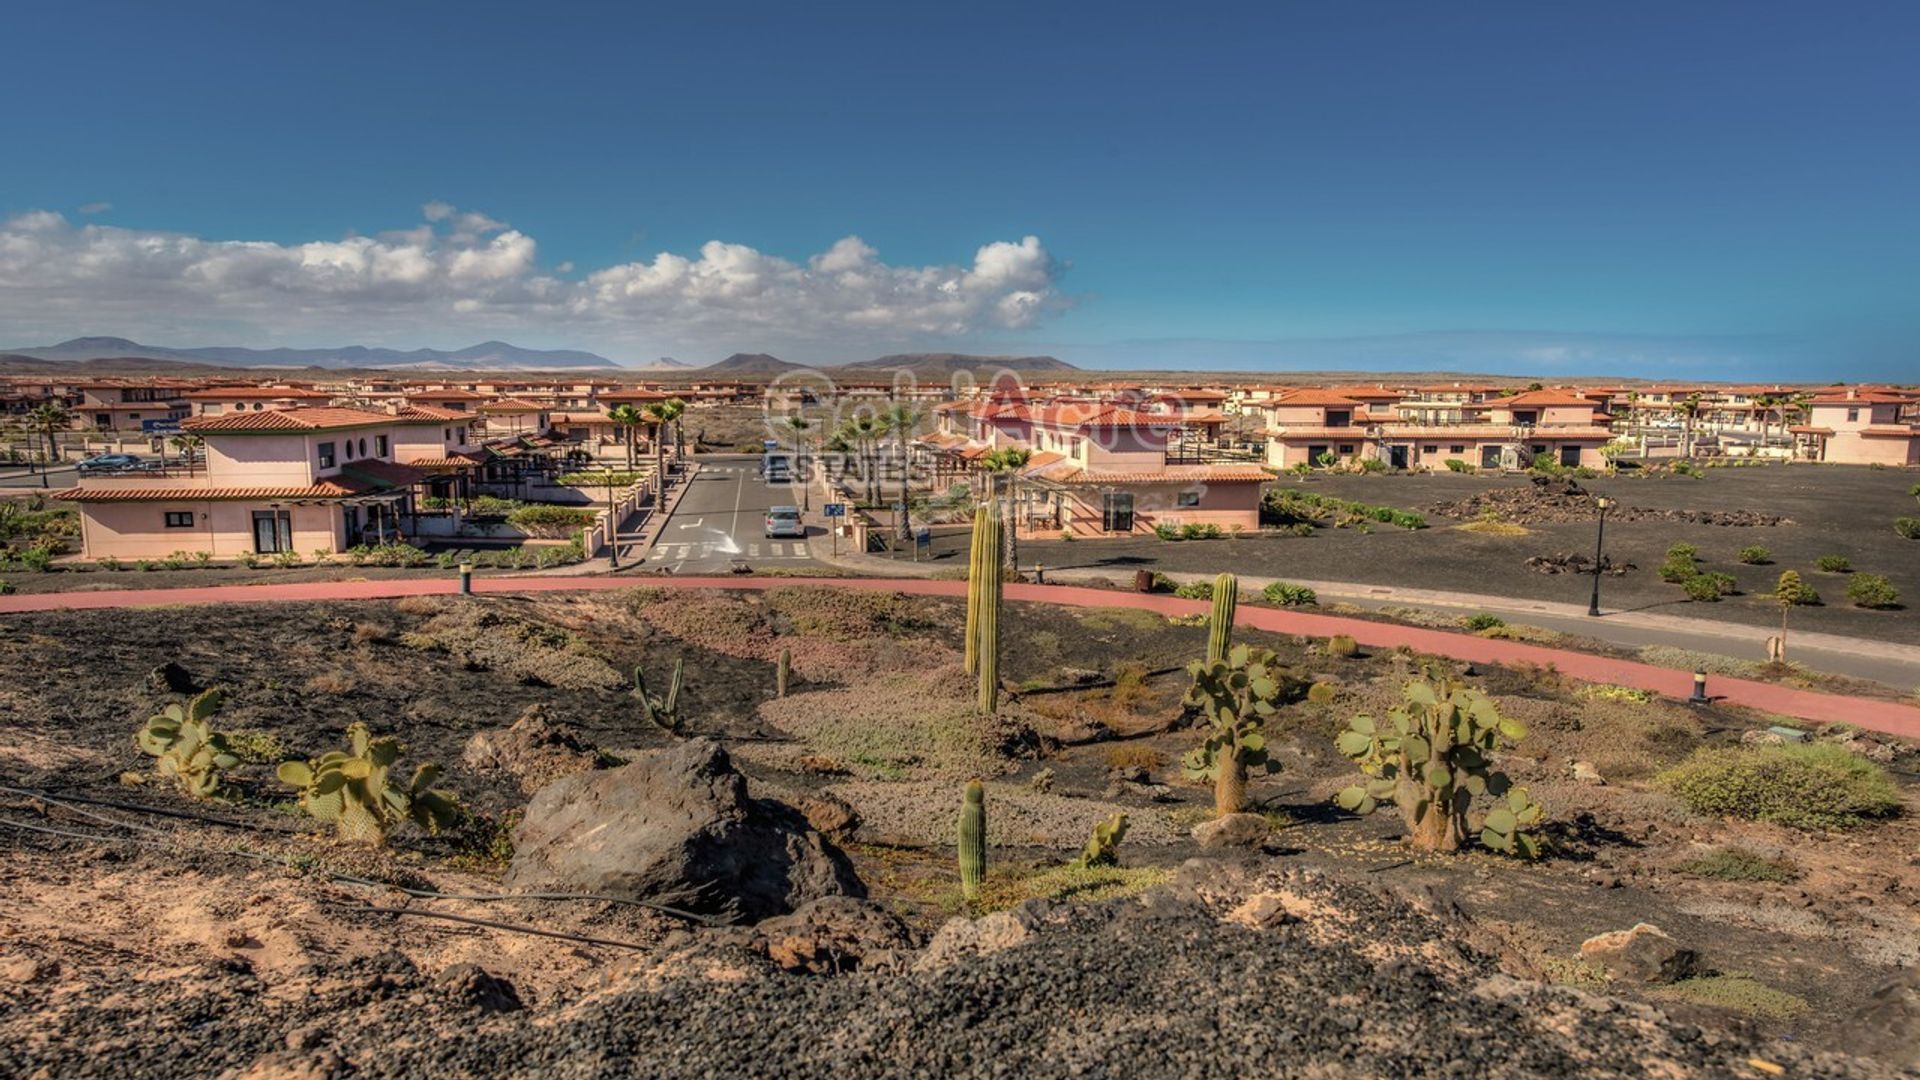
x,y
1715,189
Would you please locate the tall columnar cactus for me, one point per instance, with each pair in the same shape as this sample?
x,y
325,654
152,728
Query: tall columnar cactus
x,y
1103,847
1433,757
663,712
1226,597
1236,694
974,549
782,673
186,746
984,584
356,791
973,840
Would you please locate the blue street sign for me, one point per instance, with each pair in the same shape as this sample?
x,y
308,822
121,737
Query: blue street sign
x,y
836,510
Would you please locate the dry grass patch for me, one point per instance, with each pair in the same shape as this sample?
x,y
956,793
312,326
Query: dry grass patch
x,y
901,725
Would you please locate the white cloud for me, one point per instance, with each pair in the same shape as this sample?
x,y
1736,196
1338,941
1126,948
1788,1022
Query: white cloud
x,y
95,207
468,268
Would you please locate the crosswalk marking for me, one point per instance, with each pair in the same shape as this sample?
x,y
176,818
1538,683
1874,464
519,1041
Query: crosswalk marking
x,y
684,552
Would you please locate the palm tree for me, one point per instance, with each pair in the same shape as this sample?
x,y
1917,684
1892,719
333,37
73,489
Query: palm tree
x,y
1766,403
1003,467
659,414
864,431
49,419
187,443
901,420
628,419
1689,411
796,427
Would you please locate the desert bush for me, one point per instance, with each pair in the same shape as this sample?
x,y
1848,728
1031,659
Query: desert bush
x,y
107,562
248,559
1907,527
255,746
1133,756
1833,564
1432,758
1754,555
1288,595
1678,569
356,792
1792,591
1710,586
1810,786
1739,864
7,588
286,560
486,639
1872,591
335,681
845,614
1130,689
1480,621
1195,590
551,521
1456,465
918,724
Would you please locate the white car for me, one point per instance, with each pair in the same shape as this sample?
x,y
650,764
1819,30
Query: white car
x,y
784,521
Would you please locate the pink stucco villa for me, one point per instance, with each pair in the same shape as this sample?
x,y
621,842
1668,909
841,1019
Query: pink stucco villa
x,y
1859,427
281,480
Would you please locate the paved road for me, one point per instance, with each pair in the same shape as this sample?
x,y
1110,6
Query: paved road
x,y
1894,718
722,518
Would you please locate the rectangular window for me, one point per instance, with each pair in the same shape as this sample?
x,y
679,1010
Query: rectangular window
x,y
1187,498
379,446
1346,448
1457,448
272,531
1429,449
1852,415
179,519
326,455
1116,512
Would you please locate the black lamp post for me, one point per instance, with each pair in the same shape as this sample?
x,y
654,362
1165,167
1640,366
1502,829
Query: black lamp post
x,y
1599,549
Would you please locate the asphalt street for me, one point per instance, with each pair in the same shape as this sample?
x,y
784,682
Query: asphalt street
x,y
721,520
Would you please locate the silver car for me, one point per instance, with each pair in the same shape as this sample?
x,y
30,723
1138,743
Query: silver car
x,y
784,521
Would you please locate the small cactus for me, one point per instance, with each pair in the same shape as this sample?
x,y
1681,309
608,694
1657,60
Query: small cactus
x,y
783,673
1226,597
1343,646
186,746
662,712
1321,693
1103,847
355,790
1237,695
973,840
1433,757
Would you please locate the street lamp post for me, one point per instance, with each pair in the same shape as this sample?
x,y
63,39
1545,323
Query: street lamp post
x,y
1599,549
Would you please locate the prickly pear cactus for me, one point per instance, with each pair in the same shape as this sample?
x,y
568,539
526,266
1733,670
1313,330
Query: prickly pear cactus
x,y
186,747
1432,757
357,793
1103,847
973,839
1236,695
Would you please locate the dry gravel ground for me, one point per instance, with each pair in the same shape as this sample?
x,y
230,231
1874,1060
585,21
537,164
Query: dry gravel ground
x,y
1273,971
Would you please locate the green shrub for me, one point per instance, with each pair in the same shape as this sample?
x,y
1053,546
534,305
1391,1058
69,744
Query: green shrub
x,y
1755,555
1791,591
1200,531
1480,621
1195,590
6,587
551,521
1287,595
1678,570
1373,465
1684,551
1833,564
1809,786
1167,530
1908,527
1872,591
1739,864
107,562
1456,465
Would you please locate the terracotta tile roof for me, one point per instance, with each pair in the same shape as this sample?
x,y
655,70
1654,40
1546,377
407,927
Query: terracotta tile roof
x,y
386,477
445,393
1177,474
1896,431
428,412
1098,416
451,461
327,418
1314,399
1368,393
1862,398
381,473
256,393
1805,429
1543,397
633,395
512,405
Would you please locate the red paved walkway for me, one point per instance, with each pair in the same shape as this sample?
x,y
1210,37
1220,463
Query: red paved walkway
x,y
1886,716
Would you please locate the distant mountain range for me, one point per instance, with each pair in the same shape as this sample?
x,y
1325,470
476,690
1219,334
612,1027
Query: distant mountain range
x,y
920,365
486,356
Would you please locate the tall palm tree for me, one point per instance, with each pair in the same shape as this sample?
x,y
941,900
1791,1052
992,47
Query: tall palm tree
x,y
796,427
864,431
902,420
49,418
1689,411
187,443
628,419
1766,403
659,414
1003,467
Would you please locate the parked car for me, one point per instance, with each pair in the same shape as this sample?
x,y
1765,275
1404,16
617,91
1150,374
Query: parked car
x,y
784,521
111,463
